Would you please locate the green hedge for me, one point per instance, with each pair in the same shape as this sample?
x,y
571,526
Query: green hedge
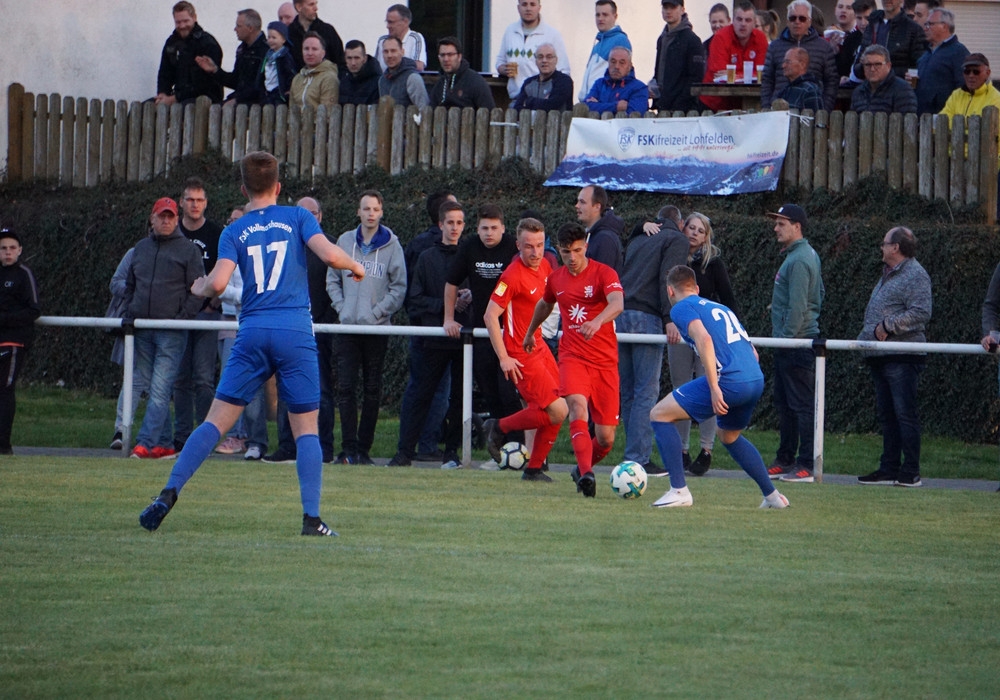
x,y
74,239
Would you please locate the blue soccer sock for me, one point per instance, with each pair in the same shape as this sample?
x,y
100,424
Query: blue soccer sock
x,y
668,440
309,465
748,457
196,450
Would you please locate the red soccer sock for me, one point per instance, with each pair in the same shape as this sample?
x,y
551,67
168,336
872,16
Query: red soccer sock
x,y
597,452
525,419
545,438
579,437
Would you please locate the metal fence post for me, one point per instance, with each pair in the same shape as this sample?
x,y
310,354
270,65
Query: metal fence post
x,y
819,418
466,397
128,371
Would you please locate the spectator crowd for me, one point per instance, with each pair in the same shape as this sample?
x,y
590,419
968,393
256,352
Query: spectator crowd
x,y
901,58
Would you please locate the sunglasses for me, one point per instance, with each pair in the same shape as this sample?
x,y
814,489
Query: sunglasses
x,y
799,18
971,71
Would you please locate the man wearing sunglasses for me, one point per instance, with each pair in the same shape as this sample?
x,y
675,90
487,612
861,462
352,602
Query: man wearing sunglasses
x,y
822,59
976,95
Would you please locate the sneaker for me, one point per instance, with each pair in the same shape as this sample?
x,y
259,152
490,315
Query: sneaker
x,y
585,483
702,463
494,438
910,481
491,466
799,474
253,453
362,457
653,469
674,498
163,453
779,469
141,452
279,456
451,461
774,500
345,458
315,526
535,475
686,459
327,458
230,446
877,477
545,464
399,460
157,510
435,456
116,441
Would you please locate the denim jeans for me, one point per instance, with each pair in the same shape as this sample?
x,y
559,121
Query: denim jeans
x,y
157,358
639,366
795,402
896,404
194,387
438,364
430,414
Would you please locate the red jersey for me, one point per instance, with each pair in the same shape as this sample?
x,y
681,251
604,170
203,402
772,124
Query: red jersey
x,y
582,298
517,292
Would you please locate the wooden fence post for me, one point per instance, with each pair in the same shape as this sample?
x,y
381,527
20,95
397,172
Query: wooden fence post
x,y
791,169
821,171
41,134
333,141
160,147
94,143
972,163
119,163
851,121
866,133
925,172
411,135
15,96
200,141
880,127
107,141
835,152
911,137
347,138
55,137
989,131
956,174
942,138
385,114
68,135
806,132
467,139
440,129
482,139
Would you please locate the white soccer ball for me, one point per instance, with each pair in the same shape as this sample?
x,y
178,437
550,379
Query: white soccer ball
x,y
513,455
629,480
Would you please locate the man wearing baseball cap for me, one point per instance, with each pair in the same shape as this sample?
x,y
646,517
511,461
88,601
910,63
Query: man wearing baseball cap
x,y
158,286
18,310
795,306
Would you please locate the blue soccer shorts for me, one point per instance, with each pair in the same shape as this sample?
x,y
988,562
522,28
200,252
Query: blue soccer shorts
x,y
695,398
260,352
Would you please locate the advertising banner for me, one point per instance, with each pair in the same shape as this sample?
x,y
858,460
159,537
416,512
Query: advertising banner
x,y
695,155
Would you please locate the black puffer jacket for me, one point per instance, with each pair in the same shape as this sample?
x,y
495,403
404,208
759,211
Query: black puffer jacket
x,y
906,42
179,75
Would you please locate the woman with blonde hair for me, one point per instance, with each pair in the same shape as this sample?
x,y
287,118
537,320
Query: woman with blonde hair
x,y
713,283
769,22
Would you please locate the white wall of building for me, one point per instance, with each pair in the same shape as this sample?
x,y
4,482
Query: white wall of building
x,y
111,49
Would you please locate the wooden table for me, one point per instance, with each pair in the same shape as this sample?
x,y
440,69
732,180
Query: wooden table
x,y
749,95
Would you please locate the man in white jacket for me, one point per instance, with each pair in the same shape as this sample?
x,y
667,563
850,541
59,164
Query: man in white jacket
x,y
516,57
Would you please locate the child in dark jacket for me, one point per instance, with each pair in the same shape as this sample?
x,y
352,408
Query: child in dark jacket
x,y
278,68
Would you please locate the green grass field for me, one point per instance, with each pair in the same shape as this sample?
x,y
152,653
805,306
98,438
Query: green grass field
x,y
476,584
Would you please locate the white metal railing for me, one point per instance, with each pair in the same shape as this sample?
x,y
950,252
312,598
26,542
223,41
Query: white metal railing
x,y
819,347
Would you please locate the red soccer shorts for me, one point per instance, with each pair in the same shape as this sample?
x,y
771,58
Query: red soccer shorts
x,y
539,383
598,383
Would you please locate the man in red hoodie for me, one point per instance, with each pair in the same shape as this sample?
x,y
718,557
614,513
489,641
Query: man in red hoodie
x,y
732,45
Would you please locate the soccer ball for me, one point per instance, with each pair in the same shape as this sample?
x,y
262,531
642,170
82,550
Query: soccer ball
x,y
629,480
513,455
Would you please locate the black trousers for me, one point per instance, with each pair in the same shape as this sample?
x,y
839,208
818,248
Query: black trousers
x,y
11,359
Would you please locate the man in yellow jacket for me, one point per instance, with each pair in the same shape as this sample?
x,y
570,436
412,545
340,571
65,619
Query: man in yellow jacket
x,y
976,95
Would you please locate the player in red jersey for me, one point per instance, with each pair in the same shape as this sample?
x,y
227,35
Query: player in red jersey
x,y
590,297
534,373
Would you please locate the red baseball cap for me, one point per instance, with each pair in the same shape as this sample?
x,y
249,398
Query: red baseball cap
x,y
164,204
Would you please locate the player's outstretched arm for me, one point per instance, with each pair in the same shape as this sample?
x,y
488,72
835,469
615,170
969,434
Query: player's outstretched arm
x,y
334,256
706,351
542,311
214,283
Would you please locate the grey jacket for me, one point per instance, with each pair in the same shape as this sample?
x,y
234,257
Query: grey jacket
x,y
648,259
373,300
901,302
160,276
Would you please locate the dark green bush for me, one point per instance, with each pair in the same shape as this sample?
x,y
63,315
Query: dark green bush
x,y
74,238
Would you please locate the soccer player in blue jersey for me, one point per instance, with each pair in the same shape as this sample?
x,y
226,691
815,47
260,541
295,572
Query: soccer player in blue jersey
x,y
274,337
730,389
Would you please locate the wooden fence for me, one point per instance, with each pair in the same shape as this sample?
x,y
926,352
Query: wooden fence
x,y
80,143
